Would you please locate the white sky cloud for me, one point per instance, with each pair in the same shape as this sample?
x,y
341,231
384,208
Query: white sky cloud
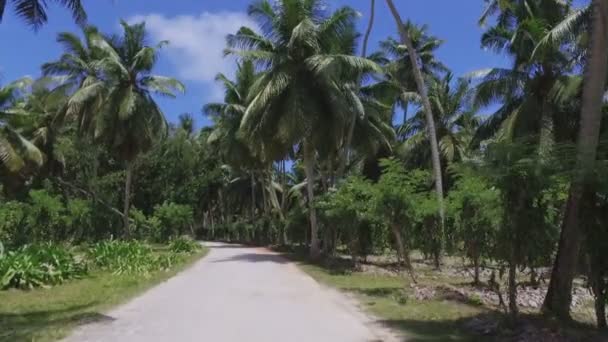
x,y
196,44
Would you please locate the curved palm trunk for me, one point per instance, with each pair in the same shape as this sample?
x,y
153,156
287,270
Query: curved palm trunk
x,y
351,129
127,199
430,121
309,163
559,295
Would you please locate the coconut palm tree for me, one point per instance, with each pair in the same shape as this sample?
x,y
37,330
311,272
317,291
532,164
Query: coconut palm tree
x,y
18,155
528,92
426,104
78,68
227,118
456,119
559,295
33,12
125,116
300,99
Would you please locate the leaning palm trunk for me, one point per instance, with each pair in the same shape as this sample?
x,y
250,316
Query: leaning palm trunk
x,y
309,163
351,129
430,121
127,199
559,295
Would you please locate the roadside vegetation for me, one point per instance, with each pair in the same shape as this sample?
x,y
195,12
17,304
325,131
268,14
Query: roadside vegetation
x,y
382,160
51,312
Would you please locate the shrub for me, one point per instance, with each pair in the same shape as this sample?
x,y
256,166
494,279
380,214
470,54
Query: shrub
x,y
39,266
129,257
175,219
122,257
12,216
184,245
149,228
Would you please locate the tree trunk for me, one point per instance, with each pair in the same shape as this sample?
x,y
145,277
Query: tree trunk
x,y
252,197
309,164
127,199
559,295
370,25
351,127
476,269
598,287
402,253
430,121
283,201
513,283
600,312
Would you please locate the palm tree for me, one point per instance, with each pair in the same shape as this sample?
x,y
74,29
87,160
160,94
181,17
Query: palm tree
x,y
18,155
33,12
78,68
430,121
559,295
126,116
300,98
528,92
456,119
351,125
227,117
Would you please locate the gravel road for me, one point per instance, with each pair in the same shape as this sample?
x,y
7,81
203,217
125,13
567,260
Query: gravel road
x,y
237,294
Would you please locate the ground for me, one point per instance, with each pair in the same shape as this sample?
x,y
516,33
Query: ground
x,y
43,315
234,294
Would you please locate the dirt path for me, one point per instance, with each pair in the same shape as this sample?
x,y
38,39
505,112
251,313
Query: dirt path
x,y
237,294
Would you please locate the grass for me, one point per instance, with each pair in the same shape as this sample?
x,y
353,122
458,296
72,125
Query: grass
x,y
391,299
50,314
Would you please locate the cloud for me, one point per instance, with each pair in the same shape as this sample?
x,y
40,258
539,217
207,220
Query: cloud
x,y
196,44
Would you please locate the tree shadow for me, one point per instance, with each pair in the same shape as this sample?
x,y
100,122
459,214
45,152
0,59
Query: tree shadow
x,y
433,331
27,326
493,326
255,258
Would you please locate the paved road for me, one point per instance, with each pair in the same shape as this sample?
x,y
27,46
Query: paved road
x,y
237,294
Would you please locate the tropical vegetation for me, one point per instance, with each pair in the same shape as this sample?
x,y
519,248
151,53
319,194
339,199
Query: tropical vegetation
x,y
305,149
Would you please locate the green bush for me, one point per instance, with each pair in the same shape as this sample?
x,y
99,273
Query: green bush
x,y
175,220
122,257
12,216
129,257
145,228
39,266
184,245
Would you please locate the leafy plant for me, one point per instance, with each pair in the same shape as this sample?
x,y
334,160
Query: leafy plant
x,y
129,257
184,245
175,219
39,266
122,257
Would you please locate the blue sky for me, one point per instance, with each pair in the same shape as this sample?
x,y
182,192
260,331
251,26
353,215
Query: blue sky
x,y
196,29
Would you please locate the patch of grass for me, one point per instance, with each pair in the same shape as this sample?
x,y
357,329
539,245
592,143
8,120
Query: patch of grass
x,y
391,300
50,314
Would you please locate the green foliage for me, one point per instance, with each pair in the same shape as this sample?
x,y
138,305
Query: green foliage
x,y
475,214
525,183
401,197
144,227
184,245
347,210
175,220
127,257
44,217
12,216
39,266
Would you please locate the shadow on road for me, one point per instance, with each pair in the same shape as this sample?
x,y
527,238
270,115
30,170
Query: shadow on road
x,y
255,258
